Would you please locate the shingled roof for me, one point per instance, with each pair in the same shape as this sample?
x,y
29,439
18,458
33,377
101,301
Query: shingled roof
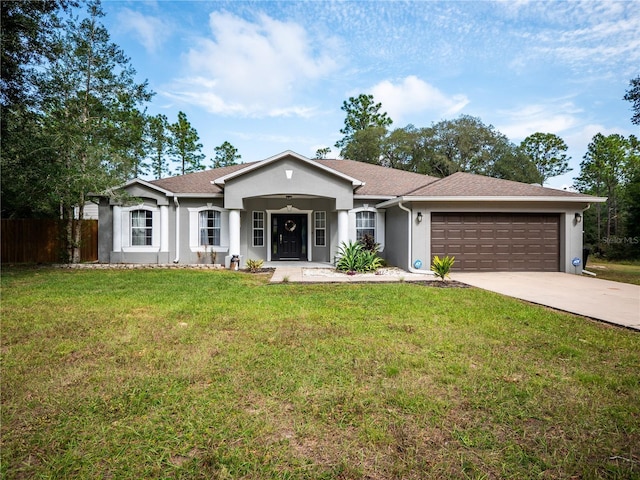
x,y
382,182
198,182
462,184
378,181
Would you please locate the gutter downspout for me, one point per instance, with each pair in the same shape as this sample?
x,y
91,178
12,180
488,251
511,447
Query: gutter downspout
x,y
410,249
177,204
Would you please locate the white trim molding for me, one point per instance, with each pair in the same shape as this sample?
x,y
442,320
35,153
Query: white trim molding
x,y
126,229
379,227
194,227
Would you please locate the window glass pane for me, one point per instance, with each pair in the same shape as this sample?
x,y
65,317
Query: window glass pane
x,y
365,224
320,230
209,224
258,229
141,227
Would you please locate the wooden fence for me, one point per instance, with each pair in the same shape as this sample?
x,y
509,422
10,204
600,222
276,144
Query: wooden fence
x,y
42,241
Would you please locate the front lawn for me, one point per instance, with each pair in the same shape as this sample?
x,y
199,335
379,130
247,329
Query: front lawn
x,y
215,374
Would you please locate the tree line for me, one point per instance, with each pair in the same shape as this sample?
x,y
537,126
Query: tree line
x,y
610,167
74,123
73,116
464,144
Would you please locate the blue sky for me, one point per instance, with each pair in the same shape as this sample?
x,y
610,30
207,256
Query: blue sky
x,y
272,76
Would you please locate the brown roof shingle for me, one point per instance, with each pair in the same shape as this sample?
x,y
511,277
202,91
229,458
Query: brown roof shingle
x,y
197,182
382,182
379,180
462,184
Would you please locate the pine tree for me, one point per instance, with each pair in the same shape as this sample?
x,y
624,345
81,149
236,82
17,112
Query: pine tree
x,y
185,148
90,102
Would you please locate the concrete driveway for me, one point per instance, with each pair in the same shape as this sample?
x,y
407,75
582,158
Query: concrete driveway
x,y
612,302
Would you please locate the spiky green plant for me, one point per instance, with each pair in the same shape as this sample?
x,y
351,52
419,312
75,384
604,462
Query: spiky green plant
x,y
442,266
254,265
349,254
355,258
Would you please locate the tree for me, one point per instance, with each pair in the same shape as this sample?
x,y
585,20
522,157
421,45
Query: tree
x,y
633,95
28,42
401,148
466,144
512,163
362,114
159,143
546,150
186,148
135,146
322,152
89,100
604,171
365,145
631,200
226,155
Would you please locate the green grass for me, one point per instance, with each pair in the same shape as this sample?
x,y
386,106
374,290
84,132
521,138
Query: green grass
x,y
213,374
625,272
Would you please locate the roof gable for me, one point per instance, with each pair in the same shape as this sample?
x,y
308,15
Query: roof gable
x,y
281,156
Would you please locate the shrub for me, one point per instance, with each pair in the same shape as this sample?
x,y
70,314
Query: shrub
x,y
349,254
254,265
442,266
368,243
355,258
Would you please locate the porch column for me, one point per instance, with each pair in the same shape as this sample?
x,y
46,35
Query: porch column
x,y
234,232
164,228
343,227
117,228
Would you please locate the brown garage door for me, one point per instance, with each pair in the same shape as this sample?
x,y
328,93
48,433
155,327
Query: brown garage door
x,y
498,241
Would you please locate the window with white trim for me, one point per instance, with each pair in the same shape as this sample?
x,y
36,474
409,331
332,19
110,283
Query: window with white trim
x,y
141,228
258,229
321,229
209,227
365,224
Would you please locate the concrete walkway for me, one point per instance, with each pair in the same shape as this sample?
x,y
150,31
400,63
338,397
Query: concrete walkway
x,y
611,302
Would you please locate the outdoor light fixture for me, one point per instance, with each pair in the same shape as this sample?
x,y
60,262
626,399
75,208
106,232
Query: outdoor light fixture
x,y
578,217
419,217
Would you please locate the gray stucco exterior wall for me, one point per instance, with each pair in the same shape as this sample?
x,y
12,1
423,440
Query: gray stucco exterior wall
x,y
397,237
105,231
288,177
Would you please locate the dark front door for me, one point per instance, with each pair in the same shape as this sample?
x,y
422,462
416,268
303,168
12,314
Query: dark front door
x,y
289,237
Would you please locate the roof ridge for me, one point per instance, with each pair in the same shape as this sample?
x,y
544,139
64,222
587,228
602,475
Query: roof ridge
x,y
426,184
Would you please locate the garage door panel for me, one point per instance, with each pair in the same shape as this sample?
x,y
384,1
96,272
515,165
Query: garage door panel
x,y
490,242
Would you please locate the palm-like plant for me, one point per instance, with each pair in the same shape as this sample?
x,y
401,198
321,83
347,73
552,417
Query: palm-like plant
x,y
355,258
442,266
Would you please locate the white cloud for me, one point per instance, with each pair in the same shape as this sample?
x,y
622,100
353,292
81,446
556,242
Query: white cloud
x,y
519,123
149,31
254,68
412,96
590,37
